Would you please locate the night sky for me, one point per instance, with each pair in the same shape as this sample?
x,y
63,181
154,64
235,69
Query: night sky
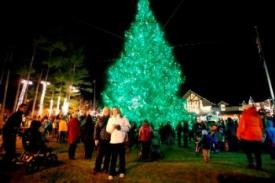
x,y
214,41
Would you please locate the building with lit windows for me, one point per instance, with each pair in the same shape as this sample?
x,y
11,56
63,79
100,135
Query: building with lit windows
x,y
197,104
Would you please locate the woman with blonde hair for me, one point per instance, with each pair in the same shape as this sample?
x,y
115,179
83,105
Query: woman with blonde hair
x,y
118,127
102,141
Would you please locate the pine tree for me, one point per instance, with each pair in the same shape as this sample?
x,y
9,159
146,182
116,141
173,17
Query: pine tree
x,y
145,80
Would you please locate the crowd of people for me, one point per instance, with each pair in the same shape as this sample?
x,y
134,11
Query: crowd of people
x,y
111,134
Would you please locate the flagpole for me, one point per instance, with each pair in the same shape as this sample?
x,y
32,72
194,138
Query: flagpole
x,y
260,51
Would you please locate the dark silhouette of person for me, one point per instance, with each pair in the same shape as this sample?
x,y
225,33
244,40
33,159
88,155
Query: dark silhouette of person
x,y
10,130
179,129
102,141
87,136
185,134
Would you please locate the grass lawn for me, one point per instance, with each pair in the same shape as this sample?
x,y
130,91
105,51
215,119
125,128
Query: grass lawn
x,y
178,165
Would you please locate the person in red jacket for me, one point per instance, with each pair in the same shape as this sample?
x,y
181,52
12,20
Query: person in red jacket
x,y
145,136
73,135
250,133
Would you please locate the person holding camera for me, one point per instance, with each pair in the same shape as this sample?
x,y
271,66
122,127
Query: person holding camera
x,y
118,127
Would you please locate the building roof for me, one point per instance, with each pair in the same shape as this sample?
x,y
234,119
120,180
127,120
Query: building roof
x,y
223,102
205,101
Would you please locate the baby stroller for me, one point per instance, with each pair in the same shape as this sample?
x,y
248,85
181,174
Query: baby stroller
x,y
154,152
36,152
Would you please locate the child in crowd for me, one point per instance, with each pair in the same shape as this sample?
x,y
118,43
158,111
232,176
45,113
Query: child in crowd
x,y
270,131
205,145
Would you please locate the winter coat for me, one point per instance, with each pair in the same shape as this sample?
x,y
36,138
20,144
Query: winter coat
x,y
13,123
250,127
145,133
205,142
100,132
87,130
118,135
62,126
73,130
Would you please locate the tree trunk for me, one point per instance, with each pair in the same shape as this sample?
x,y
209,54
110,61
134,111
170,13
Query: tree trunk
x,y
3,69
29,72
36,94
4,100
17,95
70,85
1,78
94,102
8,59
44,89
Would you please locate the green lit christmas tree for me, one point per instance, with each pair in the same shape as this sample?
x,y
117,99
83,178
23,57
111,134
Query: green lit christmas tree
x,y
145,80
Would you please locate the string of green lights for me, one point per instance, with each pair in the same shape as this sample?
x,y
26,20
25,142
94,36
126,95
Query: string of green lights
x,y
145,80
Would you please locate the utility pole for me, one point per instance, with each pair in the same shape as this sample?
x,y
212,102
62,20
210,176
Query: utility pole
x,y
94,82
262,58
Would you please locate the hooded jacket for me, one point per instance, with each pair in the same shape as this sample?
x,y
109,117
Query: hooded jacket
x,y
250,127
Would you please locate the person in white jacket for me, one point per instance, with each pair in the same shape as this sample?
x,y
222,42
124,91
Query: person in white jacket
x,y
118,127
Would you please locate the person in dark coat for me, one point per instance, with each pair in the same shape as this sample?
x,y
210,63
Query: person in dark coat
x,y
10,130
185,134
87,136
197,129
179,129
102,141
205,145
